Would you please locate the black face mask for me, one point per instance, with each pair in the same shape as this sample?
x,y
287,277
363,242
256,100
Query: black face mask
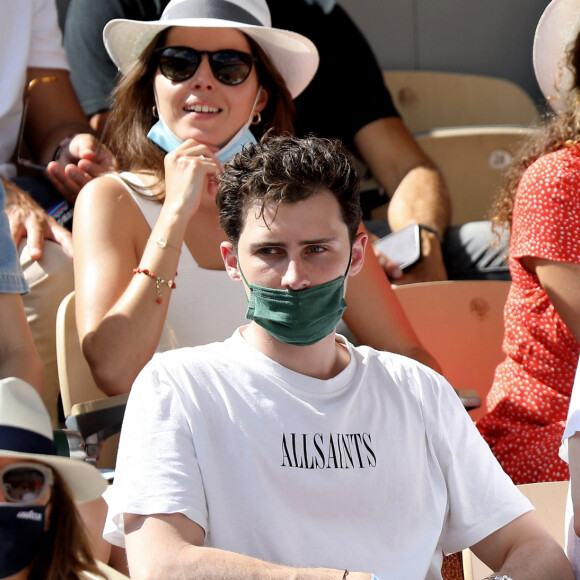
x,y
22,529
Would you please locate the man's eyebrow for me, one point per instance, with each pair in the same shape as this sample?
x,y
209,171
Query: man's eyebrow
x,y
273,243
259,245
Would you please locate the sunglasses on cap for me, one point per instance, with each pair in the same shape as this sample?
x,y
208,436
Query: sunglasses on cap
x,y
25,482
179,63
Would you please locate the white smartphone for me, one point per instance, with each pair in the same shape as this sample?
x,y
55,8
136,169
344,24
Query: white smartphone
x,y
402,247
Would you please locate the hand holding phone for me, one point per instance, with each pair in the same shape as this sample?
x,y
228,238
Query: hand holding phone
x,y
402,247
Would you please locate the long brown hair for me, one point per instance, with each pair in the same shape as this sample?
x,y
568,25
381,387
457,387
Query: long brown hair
x,y
559,130
132,109
65,552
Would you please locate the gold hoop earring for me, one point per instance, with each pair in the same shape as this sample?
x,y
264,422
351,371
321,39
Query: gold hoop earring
x,y
257,119
154,111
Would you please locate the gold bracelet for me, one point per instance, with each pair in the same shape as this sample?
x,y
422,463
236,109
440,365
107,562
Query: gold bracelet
x,y
162,243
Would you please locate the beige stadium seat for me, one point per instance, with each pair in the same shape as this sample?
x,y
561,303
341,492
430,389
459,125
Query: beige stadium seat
x,y
473,162
549,499
429,99
87,409
461,324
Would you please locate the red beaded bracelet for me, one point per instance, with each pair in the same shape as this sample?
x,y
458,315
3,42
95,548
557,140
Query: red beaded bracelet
x,y
158,281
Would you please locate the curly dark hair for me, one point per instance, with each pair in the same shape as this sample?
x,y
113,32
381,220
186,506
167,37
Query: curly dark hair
x,y
558,130
285,169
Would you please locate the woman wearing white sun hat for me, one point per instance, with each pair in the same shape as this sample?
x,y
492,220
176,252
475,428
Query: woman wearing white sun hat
x,y
530,396
41,534
192,85
561,86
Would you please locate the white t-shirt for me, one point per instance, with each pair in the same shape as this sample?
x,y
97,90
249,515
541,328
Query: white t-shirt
x,y
378,469
29,37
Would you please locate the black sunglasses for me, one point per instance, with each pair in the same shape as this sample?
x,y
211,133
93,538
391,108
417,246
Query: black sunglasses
x,y
25,482
179,63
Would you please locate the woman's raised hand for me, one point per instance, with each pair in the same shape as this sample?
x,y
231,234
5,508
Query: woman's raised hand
x,y
190,173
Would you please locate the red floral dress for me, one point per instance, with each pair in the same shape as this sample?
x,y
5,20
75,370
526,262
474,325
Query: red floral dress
x,y
529,398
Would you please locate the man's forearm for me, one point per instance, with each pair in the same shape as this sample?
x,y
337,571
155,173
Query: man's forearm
x,y
421,198
192,562
535,561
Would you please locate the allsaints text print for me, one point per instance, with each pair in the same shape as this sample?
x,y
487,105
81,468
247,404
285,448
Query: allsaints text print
x,y
328,451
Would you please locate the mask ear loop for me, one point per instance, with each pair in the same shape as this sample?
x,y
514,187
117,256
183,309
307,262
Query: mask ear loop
x,y
248,285
254,115
349,263
241,272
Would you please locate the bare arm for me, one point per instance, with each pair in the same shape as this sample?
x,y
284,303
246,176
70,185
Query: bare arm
x,y
415,187
171,546
561,281
574,463
118,317
54,114
375,316
523,549
18,356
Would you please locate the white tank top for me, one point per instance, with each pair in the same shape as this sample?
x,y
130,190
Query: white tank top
x,y
206,306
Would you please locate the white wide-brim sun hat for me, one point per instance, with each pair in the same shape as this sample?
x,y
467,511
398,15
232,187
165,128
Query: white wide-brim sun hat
x,y
294,56
26,435
556,31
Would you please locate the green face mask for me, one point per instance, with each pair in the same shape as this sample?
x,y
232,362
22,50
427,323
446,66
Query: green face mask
x,y
297,317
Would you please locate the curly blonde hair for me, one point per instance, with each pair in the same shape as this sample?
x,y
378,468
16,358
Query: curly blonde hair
x,y
558,130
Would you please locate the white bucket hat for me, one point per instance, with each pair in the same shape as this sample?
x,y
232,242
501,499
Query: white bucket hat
x,y
556,31
26,434
294,56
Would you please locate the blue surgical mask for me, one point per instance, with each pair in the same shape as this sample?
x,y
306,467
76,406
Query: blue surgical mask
x,y
297,317
165,138
235,145
22,529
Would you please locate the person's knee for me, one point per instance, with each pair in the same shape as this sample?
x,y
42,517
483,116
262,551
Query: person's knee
x,y
50,279
475,251
54,270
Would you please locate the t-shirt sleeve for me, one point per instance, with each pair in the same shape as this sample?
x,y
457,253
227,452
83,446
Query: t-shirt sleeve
x,y
46,50
481,497
348,91
93,73
546,221
157,470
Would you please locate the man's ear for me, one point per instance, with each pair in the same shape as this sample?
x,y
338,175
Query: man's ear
x,y
230,261
358,253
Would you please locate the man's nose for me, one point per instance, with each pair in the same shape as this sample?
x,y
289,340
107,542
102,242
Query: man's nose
x,y
295,277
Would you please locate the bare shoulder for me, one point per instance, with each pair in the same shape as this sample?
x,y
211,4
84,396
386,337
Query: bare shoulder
x,y
106,189
106,197
106,209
